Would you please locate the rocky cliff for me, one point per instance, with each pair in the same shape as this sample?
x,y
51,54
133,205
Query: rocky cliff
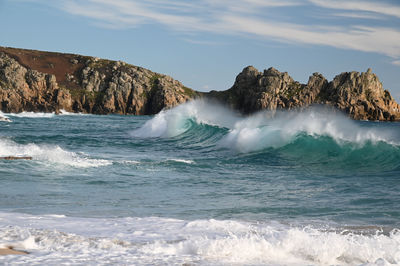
x,y
48,82
359,95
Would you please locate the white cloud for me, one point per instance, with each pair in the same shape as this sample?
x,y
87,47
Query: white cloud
x,y
359,15
368,39
252,18
374,7
396,62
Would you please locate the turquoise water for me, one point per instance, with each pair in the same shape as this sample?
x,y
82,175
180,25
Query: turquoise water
x,y
201,163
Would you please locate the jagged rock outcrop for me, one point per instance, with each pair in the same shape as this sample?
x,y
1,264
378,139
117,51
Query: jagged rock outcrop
x,y
48,82
359,95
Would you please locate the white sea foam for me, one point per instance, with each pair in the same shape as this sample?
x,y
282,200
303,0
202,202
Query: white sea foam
x,y
182,161
64,112
161,241
49,154
264,129
40,114
32,115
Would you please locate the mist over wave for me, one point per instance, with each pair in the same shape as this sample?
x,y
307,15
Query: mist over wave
x,y
264,129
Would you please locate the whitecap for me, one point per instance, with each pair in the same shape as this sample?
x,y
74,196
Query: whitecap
x,y
264,129
182,161
66,113
32,115
49,154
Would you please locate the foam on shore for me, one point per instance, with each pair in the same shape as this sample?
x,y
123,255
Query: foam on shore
x,y
151,240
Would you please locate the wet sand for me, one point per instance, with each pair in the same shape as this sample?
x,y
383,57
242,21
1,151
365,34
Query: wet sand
x,y
10,251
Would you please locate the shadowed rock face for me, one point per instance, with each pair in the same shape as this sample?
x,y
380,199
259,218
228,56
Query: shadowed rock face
x,y
48,82
359,95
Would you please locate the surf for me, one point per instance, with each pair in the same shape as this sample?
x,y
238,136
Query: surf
x,y
152,240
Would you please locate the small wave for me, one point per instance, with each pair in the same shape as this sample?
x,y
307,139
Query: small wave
x,y
32,115
182,161
129,162
154,240
49,154
65,113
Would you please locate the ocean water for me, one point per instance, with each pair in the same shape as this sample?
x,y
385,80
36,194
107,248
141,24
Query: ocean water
x,y
200,185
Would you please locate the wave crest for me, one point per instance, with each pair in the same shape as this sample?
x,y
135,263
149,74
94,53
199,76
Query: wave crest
x,y
176,121
265,129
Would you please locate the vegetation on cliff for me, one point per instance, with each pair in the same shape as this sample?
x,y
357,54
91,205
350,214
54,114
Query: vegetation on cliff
x,y
48,82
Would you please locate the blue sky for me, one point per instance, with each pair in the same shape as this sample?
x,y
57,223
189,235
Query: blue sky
x,y
206,43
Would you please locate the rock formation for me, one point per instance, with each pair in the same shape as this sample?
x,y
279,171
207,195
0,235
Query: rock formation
x,y
359,95
48,82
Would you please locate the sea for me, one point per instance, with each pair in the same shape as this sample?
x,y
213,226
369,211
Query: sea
x,y
200,184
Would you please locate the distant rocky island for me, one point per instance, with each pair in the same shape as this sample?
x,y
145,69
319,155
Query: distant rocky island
x,y
49,82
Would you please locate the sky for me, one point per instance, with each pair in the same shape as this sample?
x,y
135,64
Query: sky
x,y
206,43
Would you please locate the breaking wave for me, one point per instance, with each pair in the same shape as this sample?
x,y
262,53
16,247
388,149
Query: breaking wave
x,y
49,154
312,136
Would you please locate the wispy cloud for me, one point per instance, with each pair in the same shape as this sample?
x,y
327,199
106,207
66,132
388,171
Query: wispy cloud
x,y
254,18
358,15
396,62
362,38
378,7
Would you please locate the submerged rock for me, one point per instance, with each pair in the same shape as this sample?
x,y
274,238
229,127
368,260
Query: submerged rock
x,y
10,158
